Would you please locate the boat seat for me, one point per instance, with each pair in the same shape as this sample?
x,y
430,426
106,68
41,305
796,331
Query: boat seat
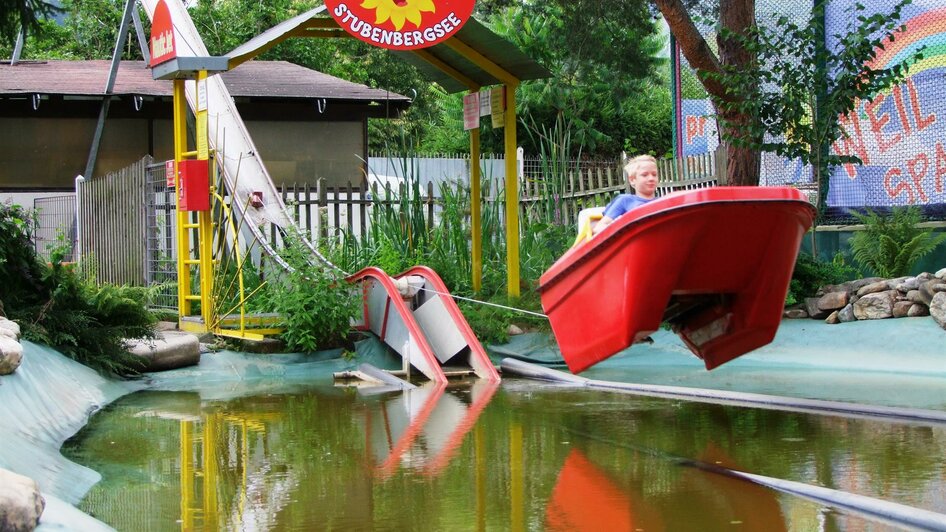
x,y
587,219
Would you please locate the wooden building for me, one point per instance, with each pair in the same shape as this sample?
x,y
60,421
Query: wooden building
x,y
305,124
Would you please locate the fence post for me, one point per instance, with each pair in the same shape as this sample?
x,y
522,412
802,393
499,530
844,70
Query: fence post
x,y
722,175
430,205
321,202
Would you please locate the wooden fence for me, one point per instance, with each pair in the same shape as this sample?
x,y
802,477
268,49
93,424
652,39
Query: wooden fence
x,y
114,224
322,211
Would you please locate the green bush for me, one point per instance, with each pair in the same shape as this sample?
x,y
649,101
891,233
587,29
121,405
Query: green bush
x,y
57,306
891,245
810,274
316,304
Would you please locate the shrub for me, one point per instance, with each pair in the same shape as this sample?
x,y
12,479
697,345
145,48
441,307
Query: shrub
x,y
891,245
56,306
810,274
316,304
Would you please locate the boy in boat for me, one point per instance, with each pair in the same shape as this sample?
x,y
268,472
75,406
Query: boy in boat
x,y
641,173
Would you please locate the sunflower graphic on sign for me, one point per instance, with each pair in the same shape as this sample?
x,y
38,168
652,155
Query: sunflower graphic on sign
x,y
397,11
401,24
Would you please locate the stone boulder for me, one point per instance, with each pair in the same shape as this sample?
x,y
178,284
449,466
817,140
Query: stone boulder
x,y
846,314
938,309
10,328
11,355
929,289
170,350
918,310
833,301
875,305
901,309
873,288
941,274
21,504
811,307
795,314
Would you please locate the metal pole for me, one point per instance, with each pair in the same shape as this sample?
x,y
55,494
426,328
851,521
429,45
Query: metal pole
x,y
109,85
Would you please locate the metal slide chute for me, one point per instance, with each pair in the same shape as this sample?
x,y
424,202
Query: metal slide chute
x,y
414,315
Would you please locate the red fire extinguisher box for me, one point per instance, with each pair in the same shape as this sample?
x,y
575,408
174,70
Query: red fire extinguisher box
x,y
194,191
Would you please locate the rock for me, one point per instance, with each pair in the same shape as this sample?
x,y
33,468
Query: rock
x,y
170,350
513,330
914,296
815,313
874,306
938,309
873,288
940,274
833,301
795,314
846,314
923,277
7,333
860,283
833,318
901,309
11,354
165,326
918,310
911,283
21,504
929,289
11,326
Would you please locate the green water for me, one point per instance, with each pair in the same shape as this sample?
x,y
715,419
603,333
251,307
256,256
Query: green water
x,y
522,456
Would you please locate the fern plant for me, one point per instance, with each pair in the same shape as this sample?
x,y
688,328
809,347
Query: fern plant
x,y
890,245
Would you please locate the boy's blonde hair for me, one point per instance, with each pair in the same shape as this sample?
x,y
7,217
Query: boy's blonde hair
x,y
630,169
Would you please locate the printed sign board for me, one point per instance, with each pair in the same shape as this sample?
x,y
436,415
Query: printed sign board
x,y
401,24
471,111
162,35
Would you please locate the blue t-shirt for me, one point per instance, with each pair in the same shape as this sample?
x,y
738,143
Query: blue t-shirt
x,y
624,203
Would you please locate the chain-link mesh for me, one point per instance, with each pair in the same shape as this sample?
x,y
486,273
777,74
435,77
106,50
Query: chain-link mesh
x,y
899,135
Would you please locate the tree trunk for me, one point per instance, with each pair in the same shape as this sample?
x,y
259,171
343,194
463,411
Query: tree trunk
x,y
737,16
744,163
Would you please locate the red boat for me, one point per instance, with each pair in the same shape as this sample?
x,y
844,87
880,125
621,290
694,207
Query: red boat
x,y
713,263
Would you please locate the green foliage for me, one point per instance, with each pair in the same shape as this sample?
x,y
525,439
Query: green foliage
x,y
891,245
57,306
491,323
810,274
316,304
21,272
23,14
604,82
796,91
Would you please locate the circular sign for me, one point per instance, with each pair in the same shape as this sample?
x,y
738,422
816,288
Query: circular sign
x,y
401,24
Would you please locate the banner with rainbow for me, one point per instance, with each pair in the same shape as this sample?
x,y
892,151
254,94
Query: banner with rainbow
x,y
900,135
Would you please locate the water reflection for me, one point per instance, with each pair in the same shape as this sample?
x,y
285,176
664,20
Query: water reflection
x,y
471,457
421,428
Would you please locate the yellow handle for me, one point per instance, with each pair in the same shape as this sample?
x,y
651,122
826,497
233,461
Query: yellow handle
x,y
586,230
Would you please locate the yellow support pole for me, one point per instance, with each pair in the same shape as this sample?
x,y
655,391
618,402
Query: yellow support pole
x,y
476,211
204,222
183,242
512,193
187,477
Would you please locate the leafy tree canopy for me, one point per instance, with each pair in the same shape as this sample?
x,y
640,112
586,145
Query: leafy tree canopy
x,y
22,14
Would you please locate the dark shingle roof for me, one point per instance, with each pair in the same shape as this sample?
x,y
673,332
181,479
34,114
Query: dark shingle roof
x,y
262,79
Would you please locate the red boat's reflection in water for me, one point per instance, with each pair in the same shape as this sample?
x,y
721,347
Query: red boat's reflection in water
x,y
422,428
586,498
